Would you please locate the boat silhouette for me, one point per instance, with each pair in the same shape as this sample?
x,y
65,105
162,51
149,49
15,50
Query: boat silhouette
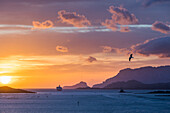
x,y
59,88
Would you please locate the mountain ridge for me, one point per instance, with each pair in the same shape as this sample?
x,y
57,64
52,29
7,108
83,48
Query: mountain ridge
x,y
147,75
133,84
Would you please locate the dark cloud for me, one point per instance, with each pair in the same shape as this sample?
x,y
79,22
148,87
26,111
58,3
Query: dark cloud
x,y
91,59
157,46
42,1
150,2
73,18
161,27
120,16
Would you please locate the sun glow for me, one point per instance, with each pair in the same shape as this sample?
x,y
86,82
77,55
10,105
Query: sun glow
x,y
5,79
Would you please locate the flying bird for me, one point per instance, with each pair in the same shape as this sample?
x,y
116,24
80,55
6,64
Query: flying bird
x,y
130,57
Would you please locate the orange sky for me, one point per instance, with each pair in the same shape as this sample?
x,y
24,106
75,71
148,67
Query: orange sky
x,y
47,43
50,71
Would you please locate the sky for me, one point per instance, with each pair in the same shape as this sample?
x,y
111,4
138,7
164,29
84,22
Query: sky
x,y
47,43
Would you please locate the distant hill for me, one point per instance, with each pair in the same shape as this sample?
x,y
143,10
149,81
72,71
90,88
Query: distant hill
x,y
76,86
133,84
146,75
6,89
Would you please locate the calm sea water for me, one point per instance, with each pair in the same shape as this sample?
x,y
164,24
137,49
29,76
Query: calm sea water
x,y
84,101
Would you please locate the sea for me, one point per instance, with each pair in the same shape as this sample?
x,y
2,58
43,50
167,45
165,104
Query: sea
x,y
85,101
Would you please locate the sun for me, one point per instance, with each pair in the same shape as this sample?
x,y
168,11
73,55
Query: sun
x,y
5,79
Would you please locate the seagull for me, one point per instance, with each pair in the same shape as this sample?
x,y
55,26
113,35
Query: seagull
x,y
130,57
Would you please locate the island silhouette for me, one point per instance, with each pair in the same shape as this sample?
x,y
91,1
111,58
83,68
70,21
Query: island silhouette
x,y
6,89
77,86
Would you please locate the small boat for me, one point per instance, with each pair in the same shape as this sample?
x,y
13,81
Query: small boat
x,y
59,88
121,91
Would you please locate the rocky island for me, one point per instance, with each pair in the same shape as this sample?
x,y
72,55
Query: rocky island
x,y
81,85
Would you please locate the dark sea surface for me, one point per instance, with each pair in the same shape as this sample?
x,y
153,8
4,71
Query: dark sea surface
x,y
85,101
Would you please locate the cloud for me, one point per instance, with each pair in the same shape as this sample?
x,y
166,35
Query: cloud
x,y
150,2
108,49
91,59
125,29
62,49
157,46
110,25
44,25
120,16
161,27
73,18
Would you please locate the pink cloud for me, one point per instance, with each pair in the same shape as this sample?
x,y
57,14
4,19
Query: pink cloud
x,y
124,29
110,25
73,18
120,16
108,49
44,25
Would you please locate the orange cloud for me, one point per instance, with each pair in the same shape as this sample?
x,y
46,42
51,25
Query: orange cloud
x,y
44,25
110,25
73,18
62,49
124,29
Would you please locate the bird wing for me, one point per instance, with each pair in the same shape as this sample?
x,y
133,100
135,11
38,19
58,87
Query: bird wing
x,y
131,55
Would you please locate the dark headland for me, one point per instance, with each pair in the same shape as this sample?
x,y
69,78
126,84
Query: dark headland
x,y
146,75
6,89
139,78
